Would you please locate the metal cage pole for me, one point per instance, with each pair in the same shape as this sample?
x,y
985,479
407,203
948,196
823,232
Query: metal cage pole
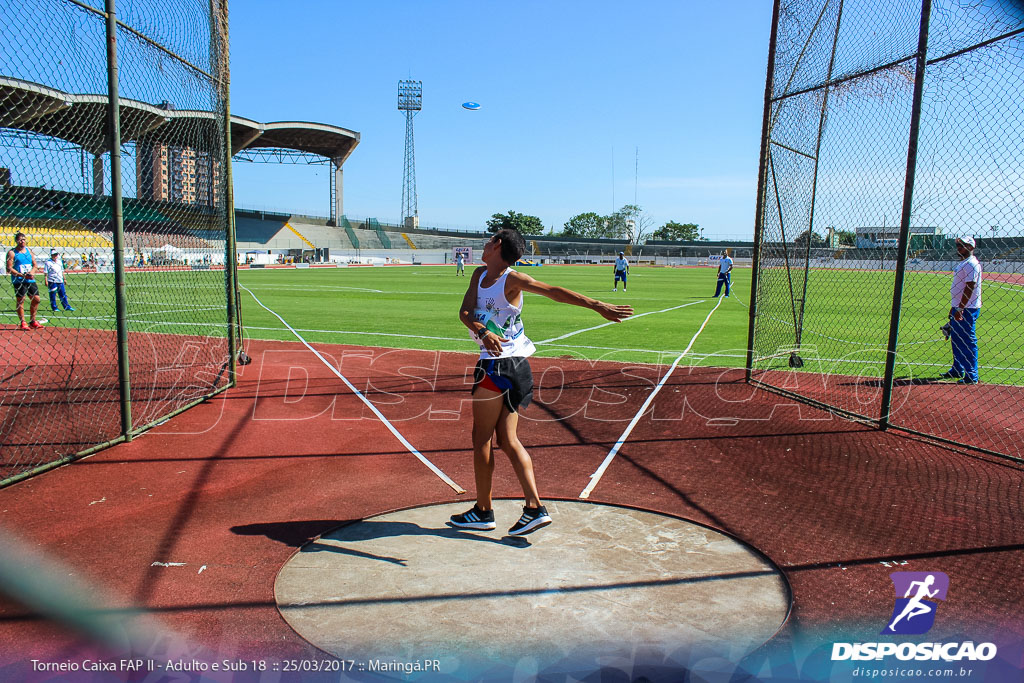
x,y
219,50
762,171
114,141
908,197
814,182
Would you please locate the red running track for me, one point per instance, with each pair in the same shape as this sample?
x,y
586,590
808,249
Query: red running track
x,y
192,521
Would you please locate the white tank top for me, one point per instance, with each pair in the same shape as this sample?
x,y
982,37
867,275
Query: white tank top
x,y
501,318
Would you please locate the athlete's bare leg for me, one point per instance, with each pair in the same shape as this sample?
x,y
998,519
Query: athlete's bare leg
x,y
487,407
521,461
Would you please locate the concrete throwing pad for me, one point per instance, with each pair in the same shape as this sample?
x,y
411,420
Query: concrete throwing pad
x,y
600,584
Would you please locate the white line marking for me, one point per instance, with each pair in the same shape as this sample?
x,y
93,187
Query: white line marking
x,y
596,476
391,428
370,334
331,287
168,564
1015,288
633,317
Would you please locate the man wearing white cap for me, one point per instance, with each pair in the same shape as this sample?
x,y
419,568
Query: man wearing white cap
x,y
55,281
965,302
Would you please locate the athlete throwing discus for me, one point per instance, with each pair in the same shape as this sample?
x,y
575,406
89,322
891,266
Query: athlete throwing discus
x,y
503,383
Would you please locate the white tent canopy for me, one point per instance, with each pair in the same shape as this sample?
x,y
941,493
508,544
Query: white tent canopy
x,y
170,251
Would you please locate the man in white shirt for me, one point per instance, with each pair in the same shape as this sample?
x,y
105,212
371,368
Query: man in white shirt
x,y
621,270
965,307
54,270
724,273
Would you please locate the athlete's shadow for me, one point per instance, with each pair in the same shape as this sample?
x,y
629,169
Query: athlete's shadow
x,y
337,536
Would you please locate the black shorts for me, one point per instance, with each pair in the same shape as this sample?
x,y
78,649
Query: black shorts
x,y
25,288
512,376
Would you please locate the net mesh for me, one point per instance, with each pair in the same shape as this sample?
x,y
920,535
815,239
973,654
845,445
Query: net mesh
x,y
59,385
841,108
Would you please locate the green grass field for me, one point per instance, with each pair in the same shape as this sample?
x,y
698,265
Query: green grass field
x,y
846,320
418,307
846,323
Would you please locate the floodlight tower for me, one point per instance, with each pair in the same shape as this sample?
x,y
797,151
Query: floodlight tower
x,y
410,100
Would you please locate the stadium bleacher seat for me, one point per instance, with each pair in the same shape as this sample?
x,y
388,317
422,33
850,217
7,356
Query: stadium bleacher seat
x,y
55,237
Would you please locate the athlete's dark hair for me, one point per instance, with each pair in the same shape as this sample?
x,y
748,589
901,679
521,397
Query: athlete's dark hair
x,y
513,246
19,236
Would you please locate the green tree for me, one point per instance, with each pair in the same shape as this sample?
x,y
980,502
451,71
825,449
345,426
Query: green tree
x,y
527,225
816,239
847,238
587,225
629,223
677,232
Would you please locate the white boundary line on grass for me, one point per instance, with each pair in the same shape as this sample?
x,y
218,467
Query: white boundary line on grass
x,y
368,334
433,468
330,287
596,476
597,327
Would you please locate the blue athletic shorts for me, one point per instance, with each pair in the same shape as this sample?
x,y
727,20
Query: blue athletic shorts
x,y
511,376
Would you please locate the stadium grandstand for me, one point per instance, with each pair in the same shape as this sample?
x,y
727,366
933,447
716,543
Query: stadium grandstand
x,y
80,225
267,237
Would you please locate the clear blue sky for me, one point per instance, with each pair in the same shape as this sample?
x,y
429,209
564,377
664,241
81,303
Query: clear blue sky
x,y
566,87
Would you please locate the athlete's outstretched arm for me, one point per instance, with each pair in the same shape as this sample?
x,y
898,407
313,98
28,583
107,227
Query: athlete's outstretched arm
x,y
615,313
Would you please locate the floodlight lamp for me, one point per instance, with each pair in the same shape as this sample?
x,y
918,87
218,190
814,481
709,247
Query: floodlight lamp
x,y
410,95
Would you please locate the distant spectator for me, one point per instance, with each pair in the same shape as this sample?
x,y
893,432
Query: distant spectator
x,y
21,266
724,273
621,270
54,270
965,302
460,264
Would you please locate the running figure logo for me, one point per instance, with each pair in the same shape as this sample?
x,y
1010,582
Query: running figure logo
x,y
914,612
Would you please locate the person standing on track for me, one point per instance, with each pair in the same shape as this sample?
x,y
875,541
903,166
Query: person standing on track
x,y
21,266
724,273
54,270
502,380
621,270
965,308
460,264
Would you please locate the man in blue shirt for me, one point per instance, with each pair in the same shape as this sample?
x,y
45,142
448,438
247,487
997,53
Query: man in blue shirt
x,y
724,273
21,266
621,269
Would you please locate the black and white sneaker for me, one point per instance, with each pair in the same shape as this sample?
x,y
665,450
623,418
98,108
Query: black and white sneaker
x,y
474,518
532,519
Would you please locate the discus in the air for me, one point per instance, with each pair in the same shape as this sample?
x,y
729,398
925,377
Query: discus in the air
x,y
472,106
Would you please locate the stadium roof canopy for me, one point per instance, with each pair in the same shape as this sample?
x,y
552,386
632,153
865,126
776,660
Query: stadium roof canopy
x,y
81,120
